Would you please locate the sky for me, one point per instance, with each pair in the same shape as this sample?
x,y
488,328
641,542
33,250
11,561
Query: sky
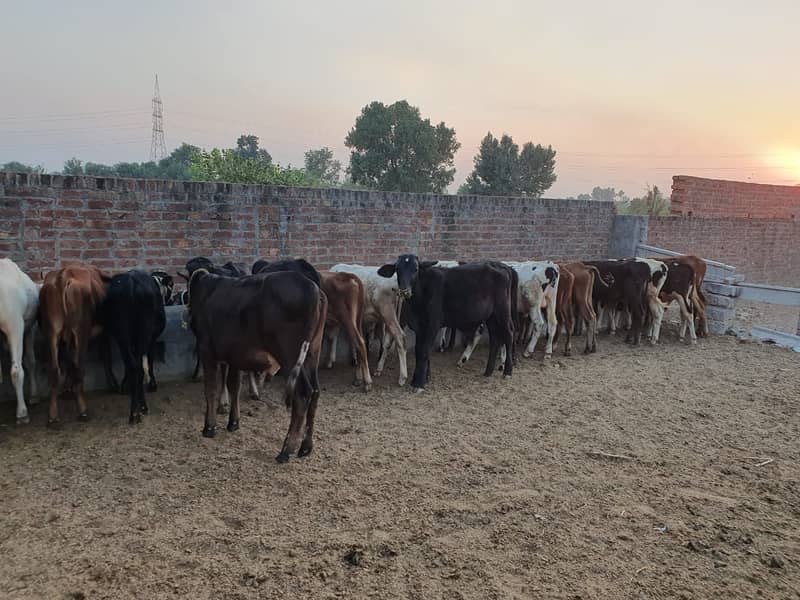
x,y
629,93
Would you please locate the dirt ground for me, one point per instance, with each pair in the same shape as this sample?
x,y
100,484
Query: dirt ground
x,y
475,489
774,316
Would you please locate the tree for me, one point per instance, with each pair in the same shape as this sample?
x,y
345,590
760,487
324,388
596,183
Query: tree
x,y
73,166
18,167
393,148
653,203
247,147
321,165
229,166
502,170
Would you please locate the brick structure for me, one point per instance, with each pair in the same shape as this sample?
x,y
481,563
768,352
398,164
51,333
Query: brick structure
x,y
699,197
765,250
118,224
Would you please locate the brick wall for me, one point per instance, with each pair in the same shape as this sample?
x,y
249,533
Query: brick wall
x,y
765,250
117,224
699,197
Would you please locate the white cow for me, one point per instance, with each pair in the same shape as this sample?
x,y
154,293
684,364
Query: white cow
x,y
538,287
381,306
19,302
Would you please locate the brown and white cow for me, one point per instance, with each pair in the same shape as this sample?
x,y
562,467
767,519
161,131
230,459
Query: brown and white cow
x,y
68,303
381,307
345,293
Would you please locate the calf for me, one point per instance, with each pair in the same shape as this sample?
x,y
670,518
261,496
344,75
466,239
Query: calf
x,y
260,323
166,286
68,303
658,275
584,278
133,315
679,286
19,302
565,309
626,284
382,308
699,267
462,298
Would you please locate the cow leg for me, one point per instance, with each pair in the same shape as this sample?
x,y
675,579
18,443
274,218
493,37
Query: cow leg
x,y
15,334
552,325
398,337
29,361
81,348
254,384
587,314
472,344
53,377
308,441
332,332
537,326
494,345
233,383
196,375
224,401
150,372
360,353
211,381
104,343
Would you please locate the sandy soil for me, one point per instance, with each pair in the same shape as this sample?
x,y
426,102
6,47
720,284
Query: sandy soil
x,y
476,489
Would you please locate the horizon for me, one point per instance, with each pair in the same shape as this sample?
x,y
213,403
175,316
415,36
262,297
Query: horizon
x,y
699,91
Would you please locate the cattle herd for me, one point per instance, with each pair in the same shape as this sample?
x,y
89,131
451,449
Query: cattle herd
x,y
273,320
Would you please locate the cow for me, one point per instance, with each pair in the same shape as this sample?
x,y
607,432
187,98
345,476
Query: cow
x,y
583,282
658,275
626,284
166,286
679,286
447,336
260,323
462,297
381,308
297,265
19,303
699,267
68,303
132,314
565,309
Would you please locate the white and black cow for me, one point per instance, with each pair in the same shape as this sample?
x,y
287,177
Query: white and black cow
x,y
19,302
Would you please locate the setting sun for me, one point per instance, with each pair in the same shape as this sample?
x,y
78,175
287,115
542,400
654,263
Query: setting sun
x,y
788,161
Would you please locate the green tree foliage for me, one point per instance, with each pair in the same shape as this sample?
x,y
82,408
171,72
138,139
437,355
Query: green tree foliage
x,y
247,147
393,148
653,203
175,166
18,167
321,165
73,166
502,170
229,166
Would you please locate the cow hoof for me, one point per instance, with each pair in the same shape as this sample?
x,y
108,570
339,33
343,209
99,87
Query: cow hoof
x,y
526,354
378,372
255,397
305,449
283,457
401,382
548,356
144,409
222,409
567,352
418,390
233,426
209,432
506,376
83,417
367,387
694,342
135,418
23,420
329,365
587,350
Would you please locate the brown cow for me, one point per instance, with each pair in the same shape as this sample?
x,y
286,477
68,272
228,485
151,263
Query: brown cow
x,y
345,294
698,299
581,302
68,304
564,310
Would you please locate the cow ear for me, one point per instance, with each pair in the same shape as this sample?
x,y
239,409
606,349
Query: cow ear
x,y
386,271
184,277
427,264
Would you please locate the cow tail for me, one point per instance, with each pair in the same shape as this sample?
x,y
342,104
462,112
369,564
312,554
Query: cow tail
x,y
597,275
294,374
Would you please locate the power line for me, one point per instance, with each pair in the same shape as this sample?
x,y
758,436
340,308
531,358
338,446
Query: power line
x,y
76,116
158,148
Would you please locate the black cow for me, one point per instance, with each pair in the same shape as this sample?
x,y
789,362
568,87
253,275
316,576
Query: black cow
x,y
260,323
133,315
298,265
461,297
626,285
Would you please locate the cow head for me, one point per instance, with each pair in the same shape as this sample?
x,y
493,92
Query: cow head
x,y
199,262
407,268
165,285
